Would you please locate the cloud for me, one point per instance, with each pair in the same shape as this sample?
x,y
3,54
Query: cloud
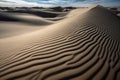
x,y
12,3
52,2
32,2
75,2
100,2
46,3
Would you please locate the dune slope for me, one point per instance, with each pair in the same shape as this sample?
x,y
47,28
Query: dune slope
x,y
82,47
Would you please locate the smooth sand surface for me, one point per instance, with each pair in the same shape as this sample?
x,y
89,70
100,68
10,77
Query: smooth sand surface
x,y
85,45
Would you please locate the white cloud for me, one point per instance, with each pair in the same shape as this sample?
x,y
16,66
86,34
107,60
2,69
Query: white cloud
x,y
46,3
12,3
34,3
100,2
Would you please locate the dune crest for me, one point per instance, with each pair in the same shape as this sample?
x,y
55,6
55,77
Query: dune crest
x,y
81,47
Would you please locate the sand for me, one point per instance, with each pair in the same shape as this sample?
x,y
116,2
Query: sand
x,y
118,14
81,46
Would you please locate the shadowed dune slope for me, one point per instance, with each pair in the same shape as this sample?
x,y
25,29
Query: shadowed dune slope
x,y
42,13
13,24
24,17
83,47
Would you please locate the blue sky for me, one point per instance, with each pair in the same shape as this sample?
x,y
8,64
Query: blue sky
x,y
48,3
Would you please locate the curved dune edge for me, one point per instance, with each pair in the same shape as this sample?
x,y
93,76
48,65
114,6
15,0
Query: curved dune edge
x,y
15,24
83,47
26,18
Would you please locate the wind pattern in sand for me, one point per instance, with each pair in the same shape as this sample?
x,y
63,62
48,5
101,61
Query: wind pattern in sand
x,y
82,46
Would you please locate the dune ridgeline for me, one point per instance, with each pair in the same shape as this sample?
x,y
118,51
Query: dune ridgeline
x,y
83,44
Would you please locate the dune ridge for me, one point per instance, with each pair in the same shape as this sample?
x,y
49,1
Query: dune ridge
x,y
81,47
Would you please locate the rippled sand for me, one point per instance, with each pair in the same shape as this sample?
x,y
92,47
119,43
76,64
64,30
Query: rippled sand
x,y
83,44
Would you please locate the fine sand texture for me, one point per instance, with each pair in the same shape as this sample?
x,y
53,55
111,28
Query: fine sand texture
x,y
83,45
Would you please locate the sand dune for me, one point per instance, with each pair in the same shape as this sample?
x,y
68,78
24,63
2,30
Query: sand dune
x,y
85,46
42,13
9,29
26,18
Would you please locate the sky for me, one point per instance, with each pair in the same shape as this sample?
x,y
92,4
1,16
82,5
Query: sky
x,y
50,3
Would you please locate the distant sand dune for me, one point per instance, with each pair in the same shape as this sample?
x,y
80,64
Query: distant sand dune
x,y
42,13
26,18
85,46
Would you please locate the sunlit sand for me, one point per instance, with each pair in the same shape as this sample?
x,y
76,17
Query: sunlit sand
x,y
80,44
